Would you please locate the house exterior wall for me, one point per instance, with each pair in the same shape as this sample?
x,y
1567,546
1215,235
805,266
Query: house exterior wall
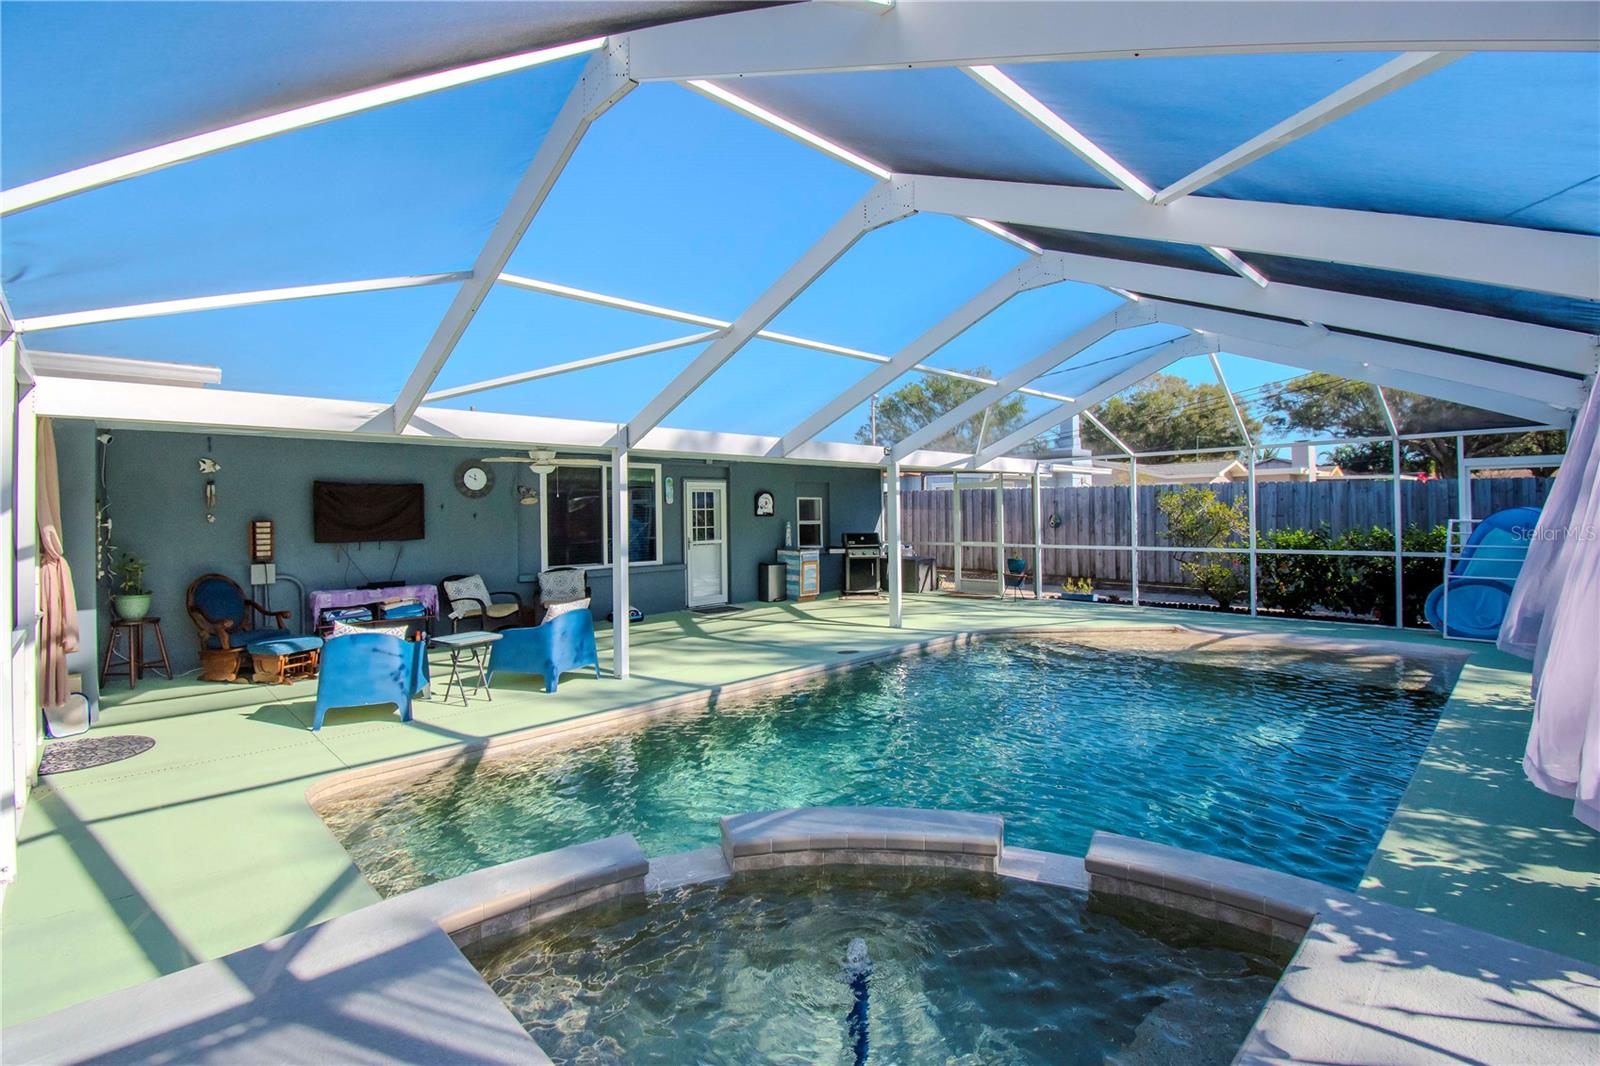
x,y
156,503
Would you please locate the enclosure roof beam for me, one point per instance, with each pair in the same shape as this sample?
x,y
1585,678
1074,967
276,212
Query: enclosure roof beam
x,y
1064,133
1124,317
1030,274
885,203
1535,411
600,299
198,145
253,298
819,38
1535,260
1563,392
571,367
1395,74
1157,359
603,82
1538,346
1233,401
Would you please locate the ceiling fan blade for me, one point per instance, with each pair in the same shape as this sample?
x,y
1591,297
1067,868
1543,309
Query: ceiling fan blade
x,y
505,459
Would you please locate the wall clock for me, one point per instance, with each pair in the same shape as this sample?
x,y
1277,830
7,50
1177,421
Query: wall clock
x,y
765,505
474,479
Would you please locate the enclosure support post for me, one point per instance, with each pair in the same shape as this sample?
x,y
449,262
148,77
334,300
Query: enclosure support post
x,y
1038,539
1133,525
896,553
620,556
1396,519
1250,505
955,520
1463,485
1000,535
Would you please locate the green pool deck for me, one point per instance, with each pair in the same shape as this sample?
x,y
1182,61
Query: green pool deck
x,y
206,844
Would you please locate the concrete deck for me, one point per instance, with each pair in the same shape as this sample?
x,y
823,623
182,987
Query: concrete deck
x,y
206,844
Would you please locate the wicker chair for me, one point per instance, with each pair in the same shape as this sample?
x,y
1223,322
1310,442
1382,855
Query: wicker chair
x,y
227,622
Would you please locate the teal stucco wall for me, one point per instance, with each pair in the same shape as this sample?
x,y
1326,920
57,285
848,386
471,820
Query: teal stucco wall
x,y
156,501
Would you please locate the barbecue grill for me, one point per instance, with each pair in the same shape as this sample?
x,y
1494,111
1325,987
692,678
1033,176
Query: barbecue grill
x,y
863,562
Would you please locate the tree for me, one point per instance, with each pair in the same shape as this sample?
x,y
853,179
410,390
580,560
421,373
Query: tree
x,y
1168,413
910,407
1324,403
1196,518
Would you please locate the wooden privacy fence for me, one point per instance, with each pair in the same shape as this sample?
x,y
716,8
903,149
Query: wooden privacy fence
x,y
1098,516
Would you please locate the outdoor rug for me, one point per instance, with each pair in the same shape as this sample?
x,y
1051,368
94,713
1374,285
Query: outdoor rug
x,y
64,756
717,608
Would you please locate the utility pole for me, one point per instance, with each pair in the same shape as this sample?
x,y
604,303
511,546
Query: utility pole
x,y
874,409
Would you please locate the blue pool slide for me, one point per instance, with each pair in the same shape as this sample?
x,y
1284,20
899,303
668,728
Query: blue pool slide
x,y
1481,583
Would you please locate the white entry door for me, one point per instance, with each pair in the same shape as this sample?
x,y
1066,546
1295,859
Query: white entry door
x,y
706,541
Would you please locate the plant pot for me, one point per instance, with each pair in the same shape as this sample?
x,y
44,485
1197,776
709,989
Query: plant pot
x,y
1080,597
131,608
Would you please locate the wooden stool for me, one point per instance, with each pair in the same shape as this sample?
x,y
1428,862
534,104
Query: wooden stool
x,y
132,660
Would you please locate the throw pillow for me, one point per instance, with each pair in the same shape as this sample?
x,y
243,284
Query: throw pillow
x,y
558,585
555,610
468,588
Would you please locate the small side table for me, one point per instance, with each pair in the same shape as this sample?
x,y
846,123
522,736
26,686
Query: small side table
x,y
471,649
131,659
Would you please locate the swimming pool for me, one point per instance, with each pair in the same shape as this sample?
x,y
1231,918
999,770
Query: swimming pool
x,y
950,968
1288,762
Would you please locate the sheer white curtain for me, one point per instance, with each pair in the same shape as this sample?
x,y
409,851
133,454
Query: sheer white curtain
x,y
1554,619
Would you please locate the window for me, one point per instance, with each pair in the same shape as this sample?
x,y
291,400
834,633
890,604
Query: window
x,y
808,527
702,517
643,515
576,515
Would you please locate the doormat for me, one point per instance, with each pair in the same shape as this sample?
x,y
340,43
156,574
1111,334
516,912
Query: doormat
x,y
717,608
64,756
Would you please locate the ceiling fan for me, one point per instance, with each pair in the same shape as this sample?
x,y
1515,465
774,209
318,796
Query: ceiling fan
x,y
539,460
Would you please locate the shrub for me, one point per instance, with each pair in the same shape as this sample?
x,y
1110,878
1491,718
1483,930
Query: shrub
x,y
1196,518
1365,585
1294,584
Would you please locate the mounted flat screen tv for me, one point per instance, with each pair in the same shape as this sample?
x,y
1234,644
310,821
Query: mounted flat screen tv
x,y
349,513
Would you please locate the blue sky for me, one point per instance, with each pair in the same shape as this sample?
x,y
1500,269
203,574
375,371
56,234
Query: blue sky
x,y
670,199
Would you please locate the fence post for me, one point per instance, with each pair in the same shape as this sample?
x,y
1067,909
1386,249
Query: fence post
x,y
1133,525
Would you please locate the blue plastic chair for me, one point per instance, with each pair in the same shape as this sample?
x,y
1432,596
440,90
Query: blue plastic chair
x,y
1484,575
565,642
370,669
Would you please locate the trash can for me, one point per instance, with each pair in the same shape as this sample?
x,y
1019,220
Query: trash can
x,y
770,579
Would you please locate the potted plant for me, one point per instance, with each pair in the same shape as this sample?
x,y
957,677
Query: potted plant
x,y
1078,588
131,600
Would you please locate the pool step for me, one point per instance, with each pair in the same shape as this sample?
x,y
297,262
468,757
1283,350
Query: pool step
x,y
862,836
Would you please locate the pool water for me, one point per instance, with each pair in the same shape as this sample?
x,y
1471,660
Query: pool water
x,y
963,970
1288,765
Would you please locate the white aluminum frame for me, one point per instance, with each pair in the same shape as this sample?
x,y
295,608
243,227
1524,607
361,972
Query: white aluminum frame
x,y
1536,260
885,203
603,82
821,38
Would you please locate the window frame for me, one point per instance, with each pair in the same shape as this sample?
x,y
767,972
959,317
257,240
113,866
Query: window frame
x,y
821,522
605,514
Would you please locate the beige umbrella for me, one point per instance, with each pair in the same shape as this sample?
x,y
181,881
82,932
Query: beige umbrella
x,y
58,607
